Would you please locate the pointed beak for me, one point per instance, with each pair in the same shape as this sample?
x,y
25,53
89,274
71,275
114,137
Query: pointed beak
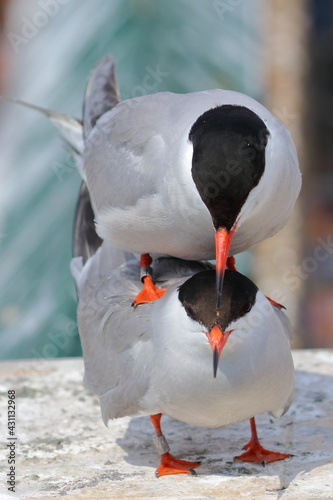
x,y
222,245
217,339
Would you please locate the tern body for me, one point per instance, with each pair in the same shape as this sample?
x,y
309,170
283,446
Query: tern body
x,y
157,359
138,166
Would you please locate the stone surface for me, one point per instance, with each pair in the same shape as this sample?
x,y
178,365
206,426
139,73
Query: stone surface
x,y
64,451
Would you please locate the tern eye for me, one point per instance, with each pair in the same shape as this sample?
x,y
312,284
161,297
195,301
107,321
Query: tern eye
x,y
248,307
190,311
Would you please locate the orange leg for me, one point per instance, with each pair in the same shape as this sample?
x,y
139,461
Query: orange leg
x,y
231,264
256,453
169,464
150,292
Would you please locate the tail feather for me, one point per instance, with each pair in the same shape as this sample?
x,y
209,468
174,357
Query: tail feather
x,y
101,94
70,128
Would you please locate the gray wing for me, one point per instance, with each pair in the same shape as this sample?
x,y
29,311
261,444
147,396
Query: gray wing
x,y
287,328
115,337
85,239
286,324
101,94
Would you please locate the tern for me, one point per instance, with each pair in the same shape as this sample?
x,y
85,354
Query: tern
x,y
157,358
197,176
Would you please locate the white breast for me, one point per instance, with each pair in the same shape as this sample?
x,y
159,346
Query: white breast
x,y
255,371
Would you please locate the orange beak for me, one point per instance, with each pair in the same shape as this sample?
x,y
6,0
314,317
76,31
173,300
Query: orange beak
x,y
223,239
217,339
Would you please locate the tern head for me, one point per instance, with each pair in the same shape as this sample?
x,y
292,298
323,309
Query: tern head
x,y
197,296
228,161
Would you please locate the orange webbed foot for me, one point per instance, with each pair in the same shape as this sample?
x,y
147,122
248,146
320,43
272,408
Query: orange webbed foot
x,y
149,293
170,465
256,453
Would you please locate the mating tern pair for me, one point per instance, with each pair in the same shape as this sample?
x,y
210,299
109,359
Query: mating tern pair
x,y
196,176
